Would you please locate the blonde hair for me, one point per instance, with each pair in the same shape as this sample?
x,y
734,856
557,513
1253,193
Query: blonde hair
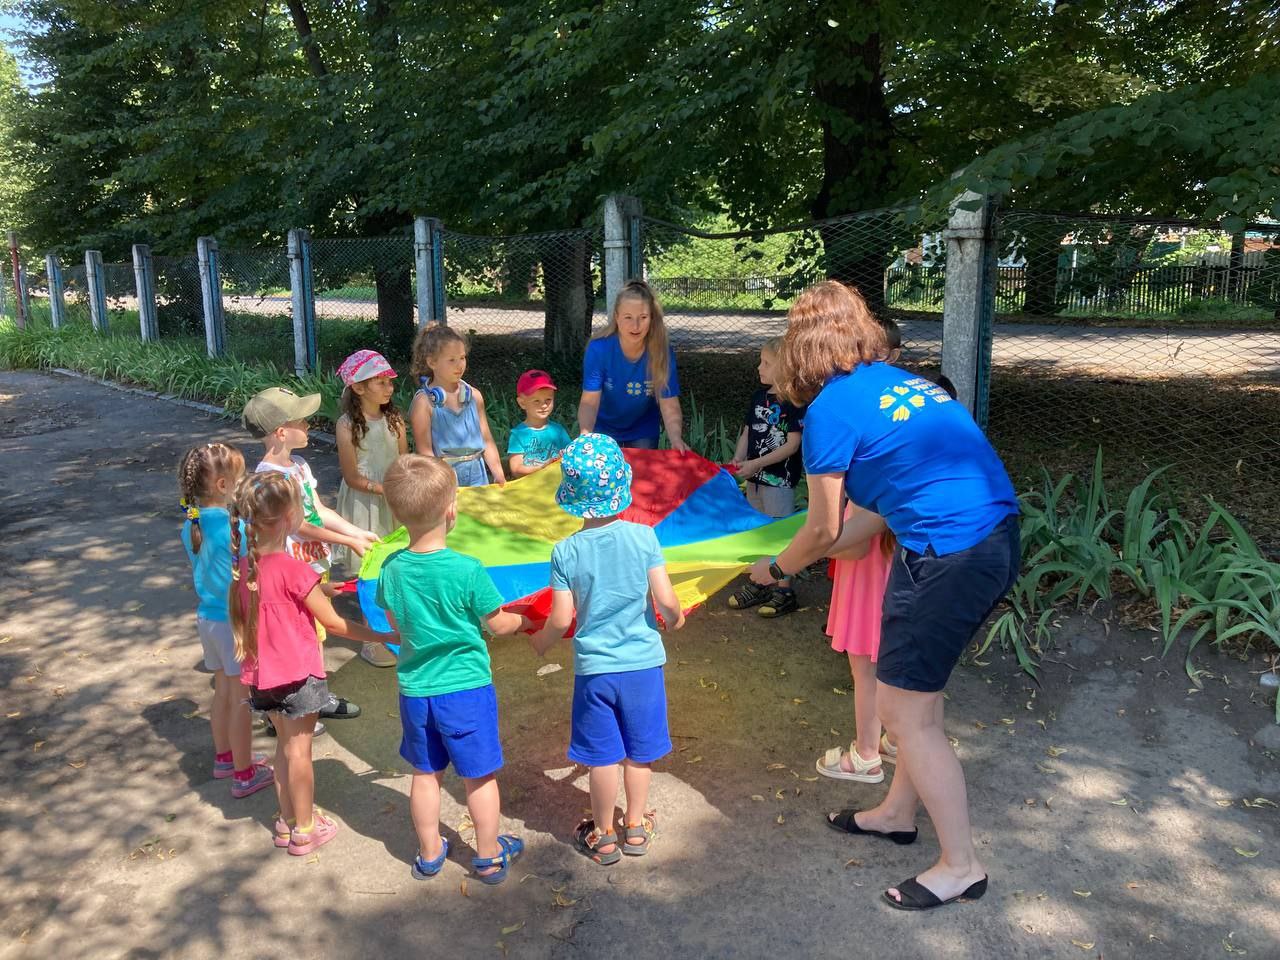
x,y
655,341
198,470
420,489
773,346
428,343
830,330
264,501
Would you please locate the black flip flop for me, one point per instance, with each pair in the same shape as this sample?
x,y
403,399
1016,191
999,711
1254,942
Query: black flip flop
x,y
916,896
844,822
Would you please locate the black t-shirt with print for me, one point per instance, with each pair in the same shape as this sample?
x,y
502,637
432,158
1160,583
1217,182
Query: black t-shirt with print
x,y
769,421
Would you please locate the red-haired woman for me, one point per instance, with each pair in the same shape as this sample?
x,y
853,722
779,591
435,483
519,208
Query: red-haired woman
x,y
904,451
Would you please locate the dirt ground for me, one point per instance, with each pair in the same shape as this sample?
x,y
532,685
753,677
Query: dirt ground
x,y
1116,807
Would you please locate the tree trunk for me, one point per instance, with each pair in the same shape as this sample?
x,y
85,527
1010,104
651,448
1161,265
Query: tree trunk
x,y
395,294
566,277
857,134
1235,269
1040,276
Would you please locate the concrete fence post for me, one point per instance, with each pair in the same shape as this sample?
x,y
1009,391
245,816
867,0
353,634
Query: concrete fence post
x,y
623,259
144,277
302,287
57,291
96,283
428,260
969,302
19,298
215,324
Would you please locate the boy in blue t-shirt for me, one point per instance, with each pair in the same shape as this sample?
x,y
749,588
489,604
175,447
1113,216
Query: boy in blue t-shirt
x,y
539,440
607,572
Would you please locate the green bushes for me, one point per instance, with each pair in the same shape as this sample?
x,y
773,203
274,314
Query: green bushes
x,y
1210,582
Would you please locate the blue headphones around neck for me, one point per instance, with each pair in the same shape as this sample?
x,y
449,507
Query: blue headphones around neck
x,y
436,394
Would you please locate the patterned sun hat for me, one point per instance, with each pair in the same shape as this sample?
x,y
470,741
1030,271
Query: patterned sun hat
x,y
597,479
364,365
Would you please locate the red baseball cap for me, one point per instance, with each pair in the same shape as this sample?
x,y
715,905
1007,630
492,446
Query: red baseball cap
x,y
532,380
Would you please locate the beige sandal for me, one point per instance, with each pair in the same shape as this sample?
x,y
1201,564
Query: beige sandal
x,y
888,752
829,766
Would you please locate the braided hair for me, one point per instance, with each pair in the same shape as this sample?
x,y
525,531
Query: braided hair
x,y
265,502
198,471
354,410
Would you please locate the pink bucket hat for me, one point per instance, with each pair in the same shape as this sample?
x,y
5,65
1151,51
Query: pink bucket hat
x,y
364,365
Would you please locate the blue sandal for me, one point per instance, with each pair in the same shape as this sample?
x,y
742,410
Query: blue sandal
x,y
426,869
511,846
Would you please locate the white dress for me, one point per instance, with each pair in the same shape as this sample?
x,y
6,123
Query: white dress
x,y
376,451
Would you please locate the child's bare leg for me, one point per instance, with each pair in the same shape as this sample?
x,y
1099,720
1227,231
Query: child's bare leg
x,y
424,808
864,706
281,767
635,783
604,795
484,804
297,736
239,722
219,716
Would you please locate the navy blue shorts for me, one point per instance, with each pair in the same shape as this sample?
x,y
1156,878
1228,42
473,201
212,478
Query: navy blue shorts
x,y
933,606
619,716
459,728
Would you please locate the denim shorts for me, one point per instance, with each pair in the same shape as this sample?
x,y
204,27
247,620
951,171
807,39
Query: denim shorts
x,y
770,500
619,716
459,728
933,606
640,443
294,700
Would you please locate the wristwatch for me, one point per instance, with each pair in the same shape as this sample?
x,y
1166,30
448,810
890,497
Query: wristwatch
x,y
775,571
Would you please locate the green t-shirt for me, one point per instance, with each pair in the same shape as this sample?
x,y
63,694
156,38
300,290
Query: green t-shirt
x,y
437,600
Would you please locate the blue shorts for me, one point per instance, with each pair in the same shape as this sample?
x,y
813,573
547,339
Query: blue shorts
x,y
619,715
933,606
459,728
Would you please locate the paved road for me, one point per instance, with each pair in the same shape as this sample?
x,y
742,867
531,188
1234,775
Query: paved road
x,y
1114,351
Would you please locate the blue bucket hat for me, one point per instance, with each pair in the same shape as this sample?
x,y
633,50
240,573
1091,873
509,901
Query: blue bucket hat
x,y
597,479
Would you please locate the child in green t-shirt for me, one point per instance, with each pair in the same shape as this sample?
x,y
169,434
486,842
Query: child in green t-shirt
x,y
437,599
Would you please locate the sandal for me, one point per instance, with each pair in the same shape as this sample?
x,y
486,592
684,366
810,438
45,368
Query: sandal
x,y
339,708
888,752
829,766
426,869
914,895
511,846
748,595
645,831
781,600
844,822
589,840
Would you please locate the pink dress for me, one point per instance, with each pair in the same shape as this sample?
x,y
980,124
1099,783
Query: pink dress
x,y
288,649
857,600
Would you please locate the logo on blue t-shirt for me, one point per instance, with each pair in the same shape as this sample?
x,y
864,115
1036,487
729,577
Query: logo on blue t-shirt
x,y
899,402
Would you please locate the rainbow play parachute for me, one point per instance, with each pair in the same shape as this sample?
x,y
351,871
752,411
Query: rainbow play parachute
x,y
708,531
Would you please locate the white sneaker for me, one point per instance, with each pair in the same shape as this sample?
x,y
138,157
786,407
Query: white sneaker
x,y
378,655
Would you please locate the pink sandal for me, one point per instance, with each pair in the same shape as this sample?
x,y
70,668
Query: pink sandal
x,y
322,831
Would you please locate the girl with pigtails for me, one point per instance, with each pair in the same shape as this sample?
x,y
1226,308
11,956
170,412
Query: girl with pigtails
x,y
274,604
207,478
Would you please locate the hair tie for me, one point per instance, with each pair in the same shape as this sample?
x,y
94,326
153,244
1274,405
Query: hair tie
x,y
190,509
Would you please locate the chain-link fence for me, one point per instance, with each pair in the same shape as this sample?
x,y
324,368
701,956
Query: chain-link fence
x,y
731,290
179,307
257,305
1155,340
75,292
365,296
122,297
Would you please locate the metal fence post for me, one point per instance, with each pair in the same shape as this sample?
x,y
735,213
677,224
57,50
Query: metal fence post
x,y
57,291
622,260
302,288
969,302
95,281
3,303
215,324
19,299
428,261
144,277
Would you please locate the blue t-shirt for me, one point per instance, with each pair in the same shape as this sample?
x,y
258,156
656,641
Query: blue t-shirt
x,y
910,453
607,570
628,410
538,446
211,567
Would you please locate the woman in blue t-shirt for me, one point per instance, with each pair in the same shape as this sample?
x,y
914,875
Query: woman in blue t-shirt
x,y
625,369
904,451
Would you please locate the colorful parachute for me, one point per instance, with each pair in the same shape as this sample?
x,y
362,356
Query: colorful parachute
x,y
708,531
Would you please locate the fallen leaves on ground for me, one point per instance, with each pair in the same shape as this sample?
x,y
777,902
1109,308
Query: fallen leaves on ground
x,y
1250,854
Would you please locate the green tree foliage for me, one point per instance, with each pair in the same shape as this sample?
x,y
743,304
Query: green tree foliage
x,y
13,172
